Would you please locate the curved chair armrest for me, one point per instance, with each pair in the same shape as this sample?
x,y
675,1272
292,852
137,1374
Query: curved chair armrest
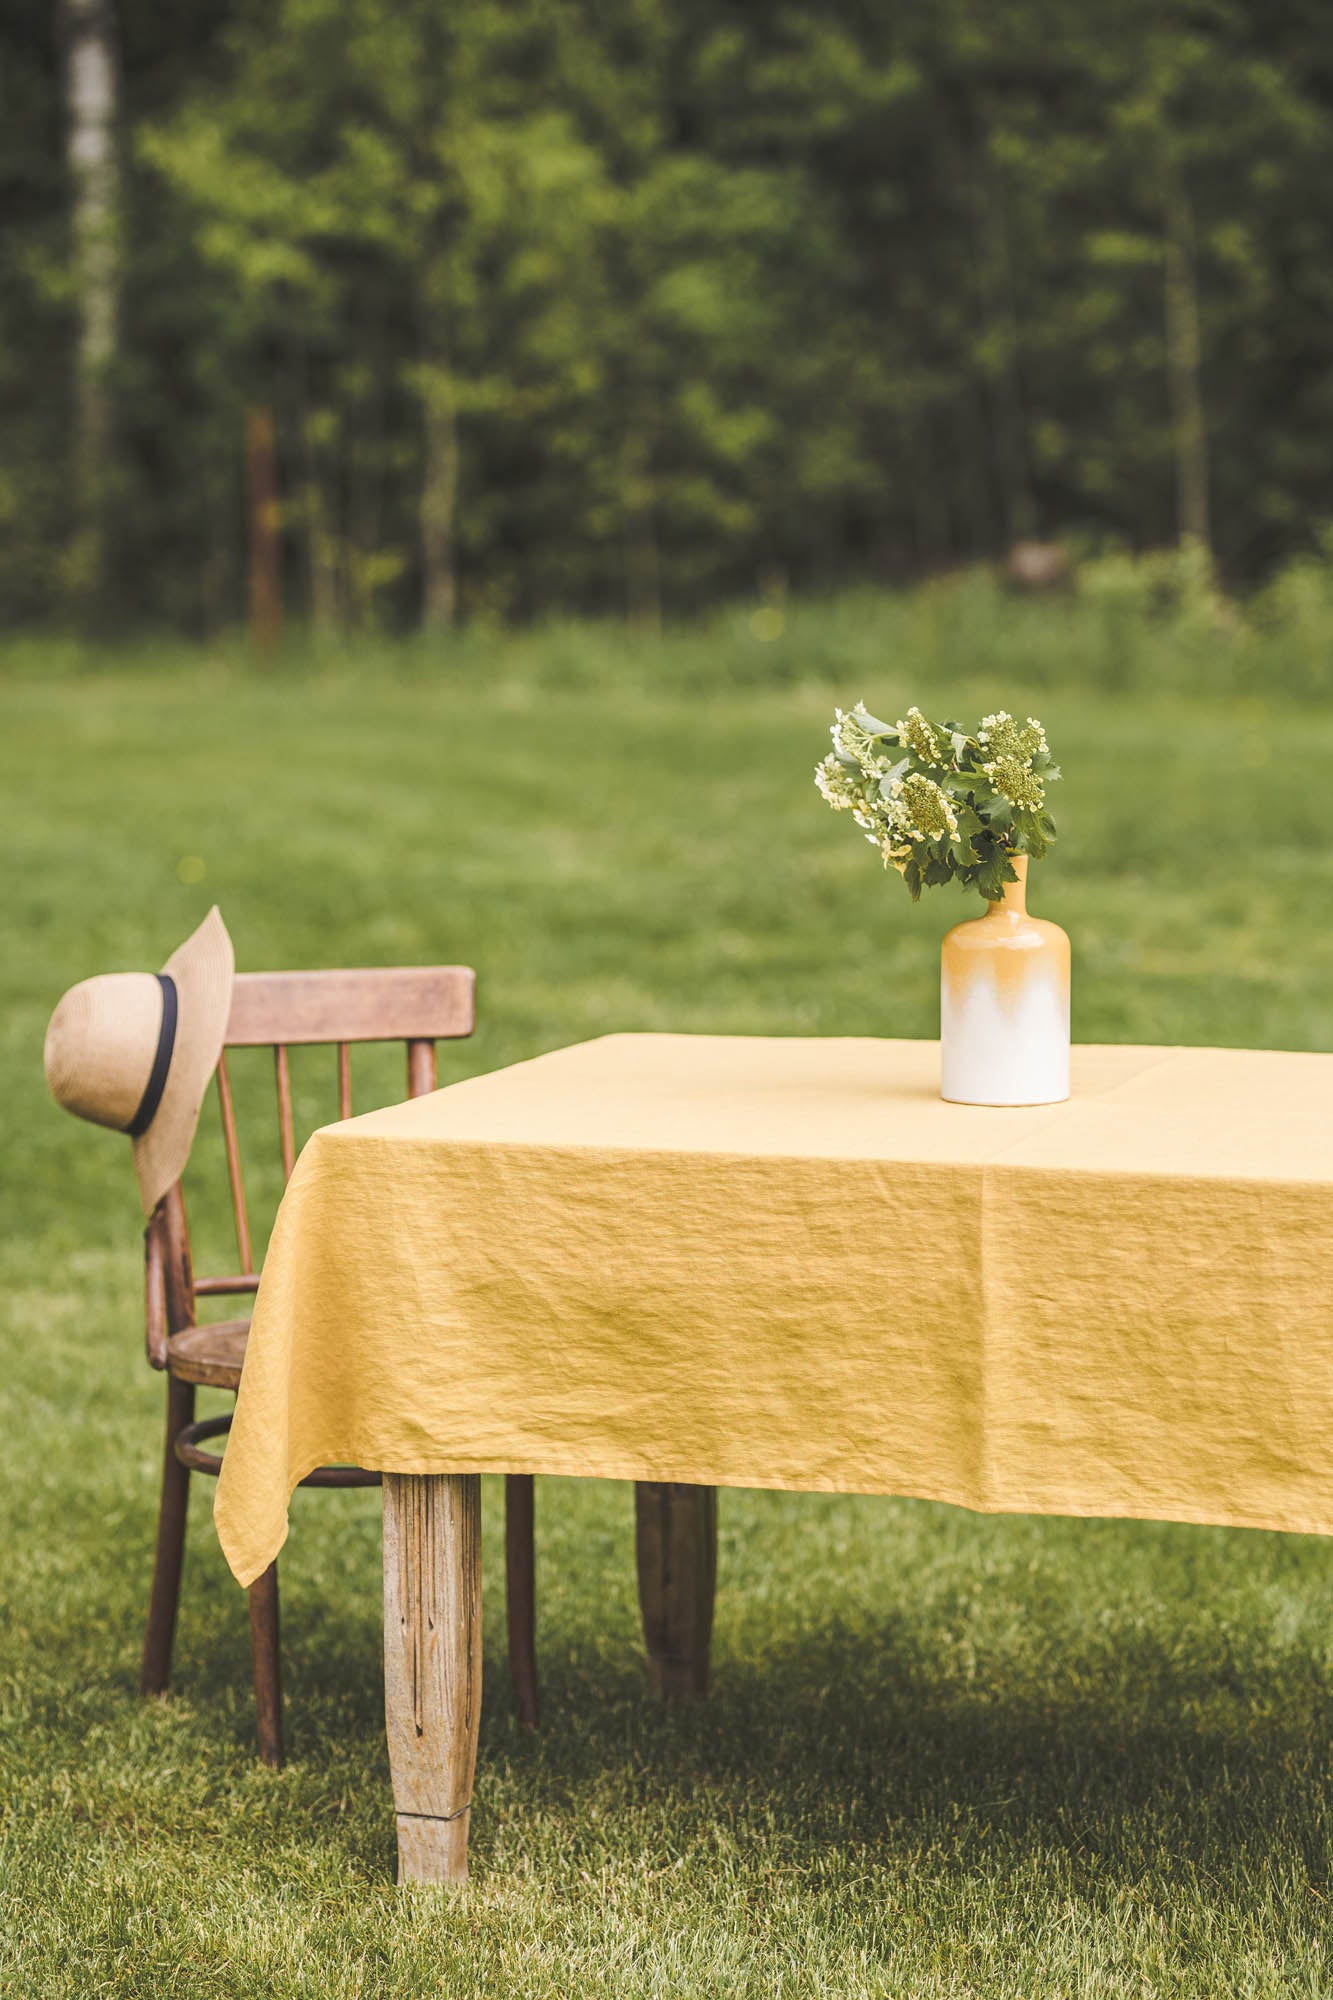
x,y
155,1296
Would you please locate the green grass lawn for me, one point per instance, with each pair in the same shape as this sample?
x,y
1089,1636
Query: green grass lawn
x,y
946,1755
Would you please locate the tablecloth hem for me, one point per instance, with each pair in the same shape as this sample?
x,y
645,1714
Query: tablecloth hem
x,y
1064,1505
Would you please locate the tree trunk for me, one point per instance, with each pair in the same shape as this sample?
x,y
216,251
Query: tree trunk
x,y
261,460
322,593
439,497
1000,350
90,100
643,569
321,537
1184,362
975,517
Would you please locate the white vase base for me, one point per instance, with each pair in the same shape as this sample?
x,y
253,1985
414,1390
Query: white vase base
x,y
1005,1046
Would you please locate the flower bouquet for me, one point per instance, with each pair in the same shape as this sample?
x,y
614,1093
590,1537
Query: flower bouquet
x,y
944,804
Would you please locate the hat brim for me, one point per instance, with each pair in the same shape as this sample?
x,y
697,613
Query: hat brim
x,y
204,969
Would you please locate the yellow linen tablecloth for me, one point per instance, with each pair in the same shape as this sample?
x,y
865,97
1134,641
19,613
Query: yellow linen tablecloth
x,y
746,1262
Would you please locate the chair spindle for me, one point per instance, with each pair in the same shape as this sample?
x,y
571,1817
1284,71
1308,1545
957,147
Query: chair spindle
x,y
284,1070
234,1166
421,1072
344,1080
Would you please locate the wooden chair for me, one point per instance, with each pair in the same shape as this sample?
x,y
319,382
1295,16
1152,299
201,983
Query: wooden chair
x,y
281,1010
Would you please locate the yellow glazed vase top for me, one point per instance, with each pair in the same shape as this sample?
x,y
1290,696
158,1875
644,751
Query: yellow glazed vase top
x,y
1004,1005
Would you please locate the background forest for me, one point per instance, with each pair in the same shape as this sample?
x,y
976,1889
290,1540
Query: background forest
x,y
557,323
499,310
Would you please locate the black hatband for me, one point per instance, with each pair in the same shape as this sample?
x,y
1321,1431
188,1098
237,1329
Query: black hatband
x,y
157,1076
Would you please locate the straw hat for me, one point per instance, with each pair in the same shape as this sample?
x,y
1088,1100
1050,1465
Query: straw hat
x,y
135,1050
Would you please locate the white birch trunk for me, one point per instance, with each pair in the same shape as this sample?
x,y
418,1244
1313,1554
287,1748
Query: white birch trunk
x,y
91,151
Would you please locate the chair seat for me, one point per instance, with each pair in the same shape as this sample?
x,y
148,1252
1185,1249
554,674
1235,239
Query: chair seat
x,y
210,1355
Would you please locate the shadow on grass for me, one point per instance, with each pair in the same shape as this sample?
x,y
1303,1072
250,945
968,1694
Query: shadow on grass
x,y
1135,1756
848,1729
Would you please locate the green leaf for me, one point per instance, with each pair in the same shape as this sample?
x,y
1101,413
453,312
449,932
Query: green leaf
x,y
969,826
993,875
1028,835
958,784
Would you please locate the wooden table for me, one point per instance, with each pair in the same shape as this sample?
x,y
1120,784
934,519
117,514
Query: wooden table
x,y
432,1641
695,1262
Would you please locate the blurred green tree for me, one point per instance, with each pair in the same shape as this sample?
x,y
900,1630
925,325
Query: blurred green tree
x,y
633,304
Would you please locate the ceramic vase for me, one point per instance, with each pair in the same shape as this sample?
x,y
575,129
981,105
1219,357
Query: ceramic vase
x,y
1004,1005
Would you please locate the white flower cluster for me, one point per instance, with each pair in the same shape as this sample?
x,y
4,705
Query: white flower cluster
x,y
892,810
924,808
1001,735
1009,766
918,735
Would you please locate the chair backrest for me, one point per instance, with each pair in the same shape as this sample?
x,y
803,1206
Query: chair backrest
x,y
417,1005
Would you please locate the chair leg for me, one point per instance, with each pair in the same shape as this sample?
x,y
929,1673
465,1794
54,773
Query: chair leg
x,y
521,1596
263,1594
156,1669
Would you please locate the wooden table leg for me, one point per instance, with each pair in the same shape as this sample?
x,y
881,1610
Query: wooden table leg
x,y
676,1545
432,1665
